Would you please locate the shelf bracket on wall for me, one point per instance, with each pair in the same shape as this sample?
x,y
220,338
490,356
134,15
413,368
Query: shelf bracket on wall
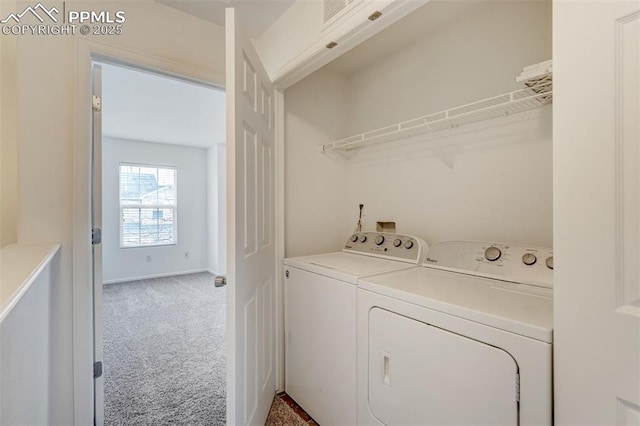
x,y
443,155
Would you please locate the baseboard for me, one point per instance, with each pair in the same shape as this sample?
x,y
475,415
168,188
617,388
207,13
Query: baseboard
x,y
146,277
212,272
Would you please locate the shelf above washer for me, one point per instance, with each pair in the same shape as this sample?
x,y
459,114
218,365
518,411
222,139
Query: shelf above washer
x,y
538,94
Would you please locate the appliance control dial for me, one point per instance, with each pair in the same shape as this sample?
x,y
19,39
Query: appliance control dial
x,y
529,259
492,254
354,238
379,239
363,238
549,262
397,242
408,244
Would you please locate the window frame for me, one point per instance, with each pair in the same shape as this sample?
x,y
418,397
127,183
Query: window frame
x,y
139,206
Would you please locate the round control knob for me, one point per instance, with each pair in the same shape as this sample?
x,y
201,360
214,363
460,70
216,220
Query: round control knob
x,y
397,242
379,239
354,238
492,254
408,244
529,259
363,238
549,262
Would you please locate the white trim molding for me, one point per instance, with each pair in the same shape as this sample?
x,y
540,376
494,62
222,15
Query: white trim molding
x,y
148,277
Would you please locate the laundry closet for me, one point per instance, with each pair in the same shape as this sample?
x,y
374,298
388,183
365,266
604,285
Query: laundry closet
x,y
489,180
422,130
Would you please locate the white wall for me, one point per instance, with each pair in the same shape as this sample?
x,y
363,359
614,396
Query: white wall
x,y
315,197
500,186
467,50
25,353
124,264
47,72
499,189
298,28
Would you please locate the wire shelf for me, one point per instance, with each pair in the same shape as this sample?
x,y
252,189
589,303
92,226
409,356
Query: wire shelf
x,y
538,94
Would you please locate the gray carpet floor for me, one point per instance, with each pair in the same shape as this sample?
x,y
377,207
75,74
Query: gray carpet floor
x,y
165,351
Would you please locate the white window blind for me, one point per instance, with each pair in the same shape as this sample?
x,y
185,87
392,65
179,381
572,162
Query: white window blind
x,y
148,205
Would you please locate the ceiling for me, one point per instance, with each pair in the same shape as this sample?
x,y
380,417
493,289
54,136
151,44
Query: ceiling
x,y
148,107
256,16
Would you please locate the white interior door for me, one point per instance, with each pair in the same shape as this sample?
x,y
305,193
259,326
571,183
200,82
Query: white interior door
x,y
597,212
250,232
96,224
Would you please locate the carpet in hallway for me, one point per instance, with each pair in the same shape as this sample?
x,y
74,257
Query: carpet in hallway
x,y
165,351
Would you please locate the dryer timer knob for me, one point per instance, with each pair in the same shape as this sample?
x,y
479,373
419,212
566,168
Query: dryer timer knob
x,y
492,254
397,242
408,244
379,239
549,262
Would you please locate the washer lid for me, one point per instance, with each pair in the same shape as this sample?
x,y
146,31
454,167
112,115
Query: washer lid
x,y
345,266
486,301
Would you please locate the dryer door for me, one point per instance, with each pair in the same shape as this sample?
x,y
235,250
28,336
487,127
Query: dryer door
x,y
420,374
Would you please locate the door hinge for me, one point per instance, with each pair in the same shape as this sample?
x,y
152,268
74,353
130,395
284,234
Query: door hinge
x,y
96,236
517,387
97,369
96,103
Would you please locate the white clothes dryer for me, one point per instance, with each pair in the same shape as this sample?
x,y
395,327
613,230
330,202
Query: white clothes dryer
x,y
320,319
464,340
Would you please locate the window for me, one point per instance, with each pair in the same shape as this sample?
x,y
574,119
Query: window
x,y
147,205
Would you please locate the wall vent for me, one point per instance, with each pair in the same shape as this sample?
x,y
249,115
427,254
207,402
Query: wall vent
x,y
333,7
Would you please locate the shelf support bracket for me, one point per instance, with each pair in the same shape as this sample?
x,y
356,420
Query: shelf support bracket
x,y
446,157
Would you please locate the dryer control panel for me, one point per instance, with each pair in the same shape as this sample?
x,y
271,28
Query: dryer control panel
x,y
508,262
387,245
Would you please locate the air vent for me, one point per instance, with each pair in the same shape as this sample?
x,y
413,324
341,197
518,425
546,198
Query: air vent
x,y
333,7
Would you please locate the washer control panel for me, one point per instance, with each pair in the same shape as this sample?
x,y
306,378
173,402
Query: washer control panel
x,y
509,262
401,247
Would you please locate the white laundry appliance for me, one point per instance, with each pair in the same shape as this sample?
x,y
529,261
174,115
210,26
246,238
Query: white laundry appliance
x,y
320,319
464,340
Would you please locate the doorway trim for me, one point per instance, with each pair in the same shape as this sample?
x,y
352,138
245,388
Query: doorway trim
x,y
88,51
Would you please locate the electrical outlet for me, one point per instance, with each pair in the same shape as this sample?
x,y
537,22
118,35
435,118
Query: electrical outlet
x,y
186,254
148,258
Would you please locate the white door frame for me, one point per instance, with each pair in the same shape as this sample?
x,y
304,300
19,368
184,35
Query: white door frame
x,y
86,52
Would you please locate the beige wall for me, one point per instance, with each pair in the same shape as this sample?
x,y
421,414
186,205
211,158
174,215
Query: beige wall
x,y
46,107
8,134
315,191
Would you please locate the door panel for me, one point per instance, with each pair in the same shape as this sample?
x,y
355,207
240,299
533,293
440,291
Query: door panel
x,y
251,222
628,161
597,212
420,374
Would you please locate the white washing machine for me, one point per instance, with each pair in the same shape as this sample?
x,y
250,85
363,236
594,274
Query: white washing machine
x,y
320,319
464,340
